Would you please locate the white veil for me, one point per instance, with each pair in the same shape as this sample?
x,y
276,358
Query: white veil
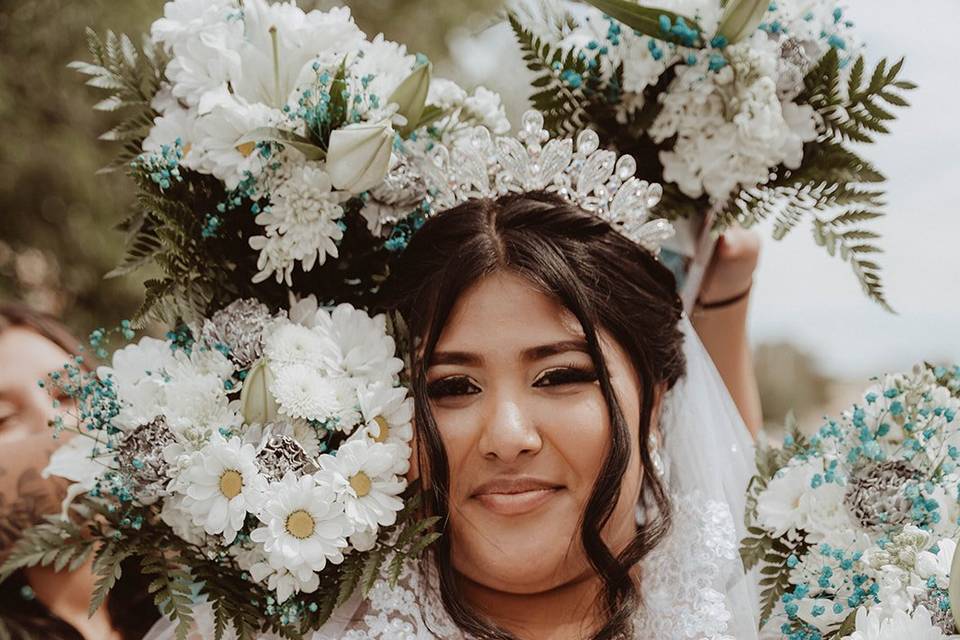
x,y
698,587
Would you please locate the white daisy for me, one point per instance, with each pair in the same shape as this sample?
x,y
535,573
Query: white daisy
x,y
218,136
388,414
365,350
283,582
304,526
222,485
362,475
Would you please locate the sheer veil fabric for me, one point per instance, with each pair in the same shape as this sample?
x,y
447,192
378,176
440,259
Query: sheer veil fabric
x,y
694,585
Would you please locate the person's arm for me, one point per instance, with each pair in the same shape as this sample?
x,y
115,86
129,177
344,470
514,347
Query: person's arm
x,y
720,318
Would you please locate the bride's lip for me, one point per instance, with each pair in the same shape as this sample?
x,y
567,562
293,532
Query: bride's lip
x,y
515,496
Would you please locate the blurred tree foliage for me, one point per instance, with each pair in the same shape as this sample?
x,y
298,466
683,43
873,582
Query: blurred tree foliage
x,y
790,381
56,214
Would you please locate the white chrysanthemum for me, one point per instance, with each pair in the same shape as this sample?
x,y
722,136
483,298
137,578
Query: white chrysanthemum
x,y
280,44
365,350
188,19
304,526
196,405
301,223
388,414
138,371
304,392
362,475
487,108
218,136
385,63
878,624
445,94
175,125
289,343
222,485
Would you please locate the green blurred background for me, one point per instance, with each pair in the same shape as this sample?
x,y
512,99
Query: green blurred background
x,y
57,214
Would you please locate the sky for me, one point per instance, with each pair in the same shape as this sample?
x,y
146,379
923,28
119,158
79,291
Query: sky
x,y
802,295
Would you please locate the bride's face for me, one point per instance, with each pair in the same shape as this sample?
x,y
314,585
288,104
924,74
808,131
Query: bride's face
x,y
526,429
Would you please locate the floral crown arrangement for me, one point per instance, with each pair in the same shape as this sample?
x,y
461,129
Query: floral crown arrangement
x,y
743,109
854,528
263,140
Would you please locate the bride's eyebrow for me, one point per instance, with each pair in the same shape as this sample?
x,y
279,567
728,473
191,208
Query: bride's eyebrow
x,y
531,354
463,358
555,348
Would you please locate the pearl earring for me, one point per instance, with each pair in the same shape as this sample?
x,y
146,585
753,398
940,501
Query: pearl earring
x,y
655,458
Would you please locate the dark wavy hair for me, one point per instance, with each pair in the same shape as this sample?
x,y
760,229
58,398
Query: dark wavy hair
x,y
607,282
131,608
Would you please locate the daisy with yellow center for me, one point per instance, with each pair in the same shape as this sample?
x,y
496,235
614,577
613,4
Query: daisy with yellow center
x,y
366,483
303,526
221,485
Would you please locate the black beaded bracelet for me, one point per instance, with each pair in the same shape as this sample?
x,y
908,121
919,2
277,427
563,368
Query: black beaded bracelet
x,y
724,303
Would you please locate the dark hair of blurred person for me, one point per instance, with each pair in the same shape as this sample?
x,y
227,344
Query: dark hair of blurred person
x,y
39,602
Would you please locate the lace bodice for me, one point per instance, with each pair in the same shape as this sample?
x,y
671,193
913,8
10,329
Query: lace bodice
x,y
682,586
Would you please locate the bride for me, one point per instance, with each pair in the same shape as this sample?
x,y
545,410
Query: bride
x,y
586,459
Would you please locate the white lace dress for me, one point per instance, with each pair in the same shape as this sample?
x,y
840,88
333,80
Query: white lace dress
x,y
681,590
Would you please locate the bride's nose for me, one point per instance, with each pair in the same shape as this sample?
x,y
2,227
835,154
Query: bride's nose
x,y
508,431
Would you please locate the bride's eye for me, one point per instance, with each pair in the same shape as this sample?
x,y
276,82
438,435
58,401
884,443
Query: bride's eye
x,y
452,386
566,375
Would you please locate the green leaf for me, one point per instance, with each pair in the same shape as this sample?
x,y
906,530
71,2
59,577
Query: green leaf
x,y
286,138
644,19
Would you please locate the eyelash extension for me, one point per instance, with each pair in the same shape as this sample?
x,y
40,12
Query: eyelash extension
x,y
452,386
569,374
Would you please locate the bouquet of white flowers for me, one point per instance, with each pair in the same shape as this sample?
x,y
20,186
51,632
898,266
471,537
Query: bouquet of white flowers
x,y
741,109
256,460
854,528
266,143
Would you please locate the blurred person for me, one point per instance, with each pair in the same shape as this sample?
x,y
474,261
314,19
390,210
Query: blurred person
x,y
39,602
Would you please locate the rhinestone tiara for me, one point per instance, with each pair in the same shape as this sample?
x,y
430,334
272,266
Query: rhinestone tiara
x,y
477,166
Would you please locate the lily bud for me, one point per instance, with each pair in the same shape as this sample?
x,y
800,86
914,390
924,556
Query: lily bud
x,y
741,18
358,156
257,403
411,96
